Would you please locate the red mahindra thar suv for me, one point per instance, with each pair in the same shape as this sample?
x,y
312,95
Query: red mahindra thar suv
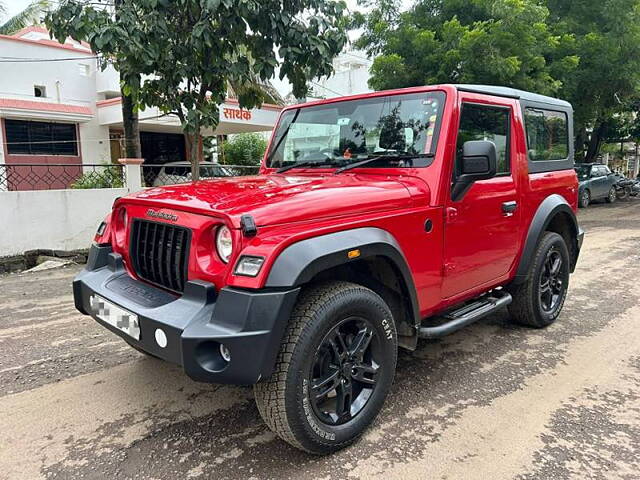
x,y
375,220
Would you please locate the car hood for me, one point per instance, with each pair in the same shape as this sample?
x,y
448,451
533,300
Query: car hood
x,y
276,199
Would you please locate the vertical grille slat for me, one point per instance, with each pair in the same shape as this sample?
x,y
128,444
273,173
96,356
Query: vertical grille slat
x,y
175,280
160,253
152,250
178,257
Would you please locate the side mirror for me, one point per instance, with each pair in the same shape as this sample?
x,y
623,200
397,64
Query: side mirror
x,y
479,162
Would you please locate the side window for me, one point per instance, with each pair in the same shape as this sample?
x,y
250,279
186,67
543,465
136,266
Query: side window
x,y
547,136
485,122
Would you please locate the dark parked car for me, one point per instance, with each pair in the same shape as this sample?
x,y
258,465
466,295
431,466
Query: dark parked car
x,y
596,182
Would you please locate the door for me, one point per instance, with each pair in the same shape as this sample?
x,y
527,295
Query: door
x,y
482,229
599,183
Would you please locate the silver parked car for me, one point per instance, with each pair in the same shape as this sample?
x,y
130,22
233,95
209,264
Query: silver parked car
x,y
180,172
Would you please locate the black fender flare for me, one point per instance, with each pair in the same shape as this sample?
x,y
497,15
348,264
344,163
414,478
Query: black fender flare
x,y
548,209
298,263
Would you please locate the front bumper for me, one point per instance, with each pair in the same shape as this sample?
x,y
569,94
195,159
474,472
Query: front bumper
x,y
249,323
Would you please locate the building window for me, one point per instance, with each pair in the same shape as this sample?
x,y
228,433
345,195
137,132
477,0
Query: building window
x,y
39,91
547,136
85,70
41,138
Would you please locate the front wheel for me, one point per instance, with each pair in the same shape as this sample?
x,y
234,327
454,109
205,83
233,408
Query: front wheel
x,y
538,301
611,197
334,369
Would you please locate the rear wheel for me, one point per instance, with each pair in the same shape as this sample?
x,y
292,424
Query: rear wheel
x,y
585,199
611,197
539,300
334,369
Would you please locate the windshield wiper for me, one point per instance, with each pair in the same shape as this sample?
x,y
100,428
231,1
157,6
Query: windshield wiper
x,y
366,161
310,163
295,165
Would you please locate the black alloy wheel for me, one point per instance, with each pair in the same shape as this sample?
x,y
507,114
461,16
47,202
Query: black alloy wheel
x,y
344,371
538,301
552,284
334,369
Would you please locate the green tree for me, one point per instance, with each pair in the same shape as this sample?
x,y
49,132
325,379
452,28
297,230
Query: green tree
x,y
189,51
243,149
607,80
29,16
98,25
501,42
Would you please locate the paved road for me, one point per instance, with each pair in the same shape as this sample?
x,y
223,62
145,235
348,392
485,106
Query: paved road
x,y
492,401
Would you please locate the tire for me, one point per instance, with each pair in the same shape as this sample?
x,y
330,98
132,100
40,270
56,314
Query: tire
x,y
612,195
322,315
531,306
585,199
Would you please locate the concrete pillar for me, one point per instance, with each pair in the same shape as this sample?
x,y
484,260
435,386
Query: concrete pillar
x,y
133,173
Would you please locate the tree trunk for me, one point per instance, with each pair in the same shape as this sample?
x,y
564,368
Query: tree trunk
x,y
595,142
581,140
131,129
195,152
132,146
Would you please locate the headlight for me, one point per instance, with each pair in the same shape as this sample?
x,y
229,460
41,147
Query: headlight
x,y
224,243
249,266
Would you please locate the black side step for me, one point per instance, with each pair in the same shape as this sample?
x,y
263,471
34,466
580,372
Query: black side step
x,y
467,314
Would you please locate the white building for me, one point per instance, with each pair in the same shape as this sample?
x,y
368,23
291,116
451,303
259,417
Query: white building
x,y
350,77
58,107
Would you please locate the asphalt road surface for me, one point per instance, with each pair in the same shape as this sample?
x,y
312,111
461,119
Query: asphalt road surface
x,y
492,401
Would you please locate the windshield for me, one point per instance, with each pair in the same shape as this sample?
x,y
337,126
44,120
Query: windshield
x,y
402,130
583,171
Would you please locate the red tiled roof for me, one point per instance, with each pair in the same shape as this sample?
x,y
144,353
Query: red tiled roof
x,y
17,37
110,101
17,104
29,29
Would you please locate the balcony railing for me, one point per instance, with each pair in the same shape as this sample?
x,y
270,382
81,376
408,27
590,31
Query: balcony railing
x,y
57,176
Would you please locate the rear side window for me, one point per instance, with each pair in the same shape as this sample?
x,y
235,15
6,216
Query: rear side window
x,y
547,134
484,122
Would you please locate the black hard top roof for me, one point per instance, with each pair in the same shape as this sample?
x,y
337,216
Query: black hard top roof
x,y
512,93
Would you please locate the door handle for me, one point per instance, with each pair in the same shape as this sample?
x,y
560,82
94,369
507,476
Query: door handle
x,y
509,207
